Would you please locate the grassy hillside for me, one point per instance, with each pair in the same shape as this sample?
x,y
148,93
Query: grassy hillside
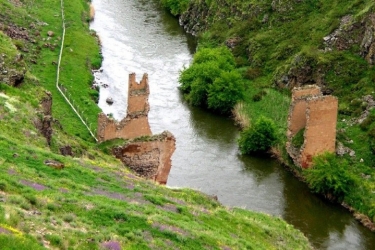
x,y
278,45
94,203
90,200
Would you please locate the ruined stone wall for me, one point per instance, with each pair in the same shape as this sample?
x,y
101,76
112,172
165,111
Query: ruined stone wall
x,y
135,123
320,132
297,111
317,114
150,158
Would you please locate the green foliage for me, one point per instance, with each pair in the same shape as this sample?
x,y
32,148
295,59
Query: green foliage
x,y
211,81
298,139
176,7
225,92
11,242
330,175
110,203
371,135
259,137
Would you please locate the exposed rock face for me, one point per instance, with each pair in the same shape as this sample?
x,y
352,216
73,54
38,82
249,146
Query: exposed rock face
x,y
283,6
151,158
194,20
317,114
135,124
201,16
299,73
54,164
16,32
66,150
9,75
352,32
46,103
44,123
368,42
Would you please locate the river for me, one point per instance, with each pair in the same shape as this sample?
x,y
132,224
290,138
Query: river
x,y
138,36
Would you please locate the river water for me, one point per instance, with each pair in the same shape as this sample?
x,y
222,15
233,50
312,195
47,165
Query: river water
x,y
138,36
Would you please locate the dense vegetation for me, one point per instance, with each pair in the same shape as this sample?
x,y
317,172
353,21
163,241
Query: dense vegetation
x,y
92,201
259,137
278,45
212,82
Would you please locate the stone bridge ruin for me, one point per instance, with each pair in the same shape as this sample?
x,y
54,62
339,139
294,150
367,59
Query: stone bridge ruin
x,y
135,123
146,154
311,124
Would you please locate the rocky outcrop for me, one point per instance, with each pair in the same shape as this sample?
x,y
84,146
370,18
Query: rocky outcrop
x,y
200,16
44,120
194,20
368,41
149,157
353,32
9,74
301,71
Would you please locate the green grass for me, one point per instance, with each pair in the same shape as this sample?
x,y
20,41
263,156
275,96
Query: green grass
x,y
81,54
93,201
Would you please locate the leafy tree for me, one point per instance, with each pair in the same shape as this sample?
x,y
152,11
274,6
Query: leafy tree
x,y
329,175
196,80
258,137
211,81
225,92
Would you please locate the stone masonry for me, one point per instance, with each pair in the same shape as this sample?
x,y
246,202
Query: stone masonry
x,y
135,123
317,115
150,158
148,155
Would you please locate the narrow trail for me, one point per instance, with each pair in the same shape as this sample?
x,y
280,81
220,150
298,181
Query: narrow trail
x,y
58,75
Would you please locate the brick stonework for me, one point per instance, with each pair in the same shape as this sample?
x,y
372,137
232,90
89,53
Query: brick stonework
x,y
135,123
149,157
317,114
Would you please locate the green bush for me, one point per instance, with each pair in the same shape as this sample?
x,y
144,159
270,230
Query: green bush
x,y
225,92
211,81
330,176
176,7
259,137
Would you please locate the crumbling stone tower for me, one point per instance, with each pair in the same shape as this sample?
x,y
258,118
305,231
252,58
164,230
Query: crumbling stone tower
x,y
149,158
135,123
316,116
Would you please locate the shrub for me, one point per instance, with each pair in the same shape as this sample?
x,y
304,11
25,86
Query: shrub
x,y
225,92
176,7
211,81
259,137
329,175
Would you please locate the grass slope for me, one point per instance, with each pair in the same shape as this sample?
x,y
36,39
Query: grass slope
x,y
90,203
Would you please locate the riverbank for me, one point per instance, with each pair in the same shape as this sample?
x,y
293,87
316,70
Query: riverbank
x,y
86,199
281,45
